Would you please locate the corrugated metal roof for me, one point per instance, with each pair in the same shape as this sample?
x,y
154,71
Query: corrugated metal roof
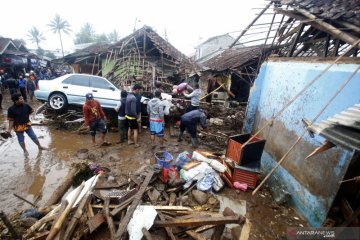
x,y
341,129
347,11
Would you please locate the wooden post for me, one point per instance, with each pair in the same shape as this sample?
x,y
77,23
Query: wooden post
x,y
124,222
109,219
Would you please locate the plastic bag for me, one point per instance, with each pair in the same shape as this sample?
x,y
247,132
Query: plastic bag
x,y
205,183
182,159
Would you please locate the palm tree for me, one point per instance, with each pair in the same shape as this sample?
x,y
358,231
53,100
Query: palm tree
x,y
59,25
35,36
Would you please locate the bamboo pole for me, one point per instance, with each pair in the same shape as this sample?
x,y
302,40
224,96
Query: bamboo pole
x,y
298,95
247,28
330,28
56,227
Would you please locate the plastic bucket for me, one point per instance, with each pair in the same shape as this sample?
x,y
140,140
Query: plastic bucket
x,y
165,159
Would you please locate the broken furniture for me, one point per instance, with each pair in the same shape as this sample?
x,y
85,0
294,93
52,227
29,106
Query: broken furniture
x,y
246,158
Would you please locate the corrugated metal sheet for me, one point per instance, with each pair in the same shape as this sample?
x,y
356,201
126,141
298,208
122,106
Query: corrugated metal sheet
x,y
347,11
342,129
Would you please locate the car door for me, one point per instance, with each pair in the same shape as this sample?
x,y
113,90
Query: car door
x,y
76,87
104,91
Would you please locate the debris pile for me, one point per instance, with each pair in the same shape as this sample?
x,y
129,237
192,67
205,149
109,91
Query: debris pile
x,y
160,202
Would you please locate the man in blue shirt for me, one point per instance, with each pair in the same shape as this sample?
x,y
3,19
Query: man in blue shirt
x,y
189,122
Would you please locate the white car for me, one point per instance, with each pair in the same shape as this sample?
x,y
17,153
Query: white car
x,y
71,89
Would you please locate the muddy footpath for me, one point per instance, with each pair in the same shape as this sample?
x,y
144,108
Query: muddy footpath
x,y
35,178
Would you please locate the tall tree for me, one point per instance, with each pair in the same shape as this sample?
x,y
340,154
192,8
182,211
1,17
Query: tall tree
x,y
113,36
35,36
86,34
59,25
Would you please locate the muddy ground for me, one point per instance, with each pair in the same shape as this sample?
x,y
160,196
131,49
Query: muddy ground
x,y
36,177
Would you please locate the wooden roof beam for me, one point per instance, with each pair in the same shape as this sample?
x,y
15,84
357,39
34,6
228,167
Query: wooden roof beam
x,y
326,27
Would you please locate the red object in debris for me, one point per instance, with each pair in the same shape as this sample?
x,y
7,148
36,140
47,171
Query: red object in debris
x,y
243,154
246,175
241,186
227,180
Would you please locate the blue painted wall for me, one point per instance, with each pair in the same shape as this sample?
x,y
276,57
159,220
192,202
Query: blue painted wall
x,y
313,183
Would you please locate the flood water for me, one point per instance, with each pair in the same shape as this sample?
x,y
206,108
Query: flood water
x,y
35,177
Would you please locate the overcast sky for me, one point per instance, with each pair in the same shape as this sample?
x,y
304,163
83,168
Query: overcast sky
x,y
186,22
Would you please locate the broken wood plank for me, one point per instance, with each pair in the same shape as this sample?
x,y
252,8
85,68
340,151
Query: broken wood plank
x,y
122,206
218,232
109,219
124,222
94,222
57,225
89,210
172,200
200,221
167,229
78,213
173,208
195,235
146,233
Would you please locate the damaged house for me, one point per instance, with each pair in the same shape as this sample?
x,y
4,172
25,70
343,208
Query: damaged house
x,y
305,103
15,57
144,57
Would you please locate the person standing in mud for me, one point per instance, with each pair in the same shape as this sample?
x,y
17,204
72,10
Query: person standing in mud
x,y
155,110
95,118
19,119
120,108
131,115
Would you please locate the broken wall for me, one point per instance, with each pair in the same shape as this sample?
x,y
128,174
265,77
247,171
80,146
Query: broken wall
x,y
312,183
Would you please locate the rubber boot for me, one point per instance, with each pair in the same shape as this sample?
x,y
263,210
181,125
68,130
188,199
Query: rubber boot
x,y
194,142
180,136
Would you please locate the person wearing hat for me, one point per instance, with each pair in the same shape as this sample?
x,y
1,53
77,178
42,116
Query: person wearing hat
x,y
132,114
95,118
19,119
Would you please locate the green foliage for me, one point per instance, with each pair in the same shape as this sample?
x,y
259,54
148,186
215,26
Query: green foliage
x,y
86,34
35,36
113,36
101,38
58,25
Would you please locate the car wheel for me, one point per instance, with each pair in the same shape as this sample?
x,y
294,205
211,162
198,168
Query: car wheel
x,y
58,101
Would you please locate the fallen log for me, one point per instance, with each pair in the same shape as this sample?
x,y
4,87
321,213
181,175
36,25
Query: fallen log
x,y
62,188
199,221
124,222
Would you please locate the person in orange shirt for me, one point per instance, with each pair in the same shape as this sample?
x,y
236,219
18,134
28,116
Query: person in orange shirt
x,y
95,118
